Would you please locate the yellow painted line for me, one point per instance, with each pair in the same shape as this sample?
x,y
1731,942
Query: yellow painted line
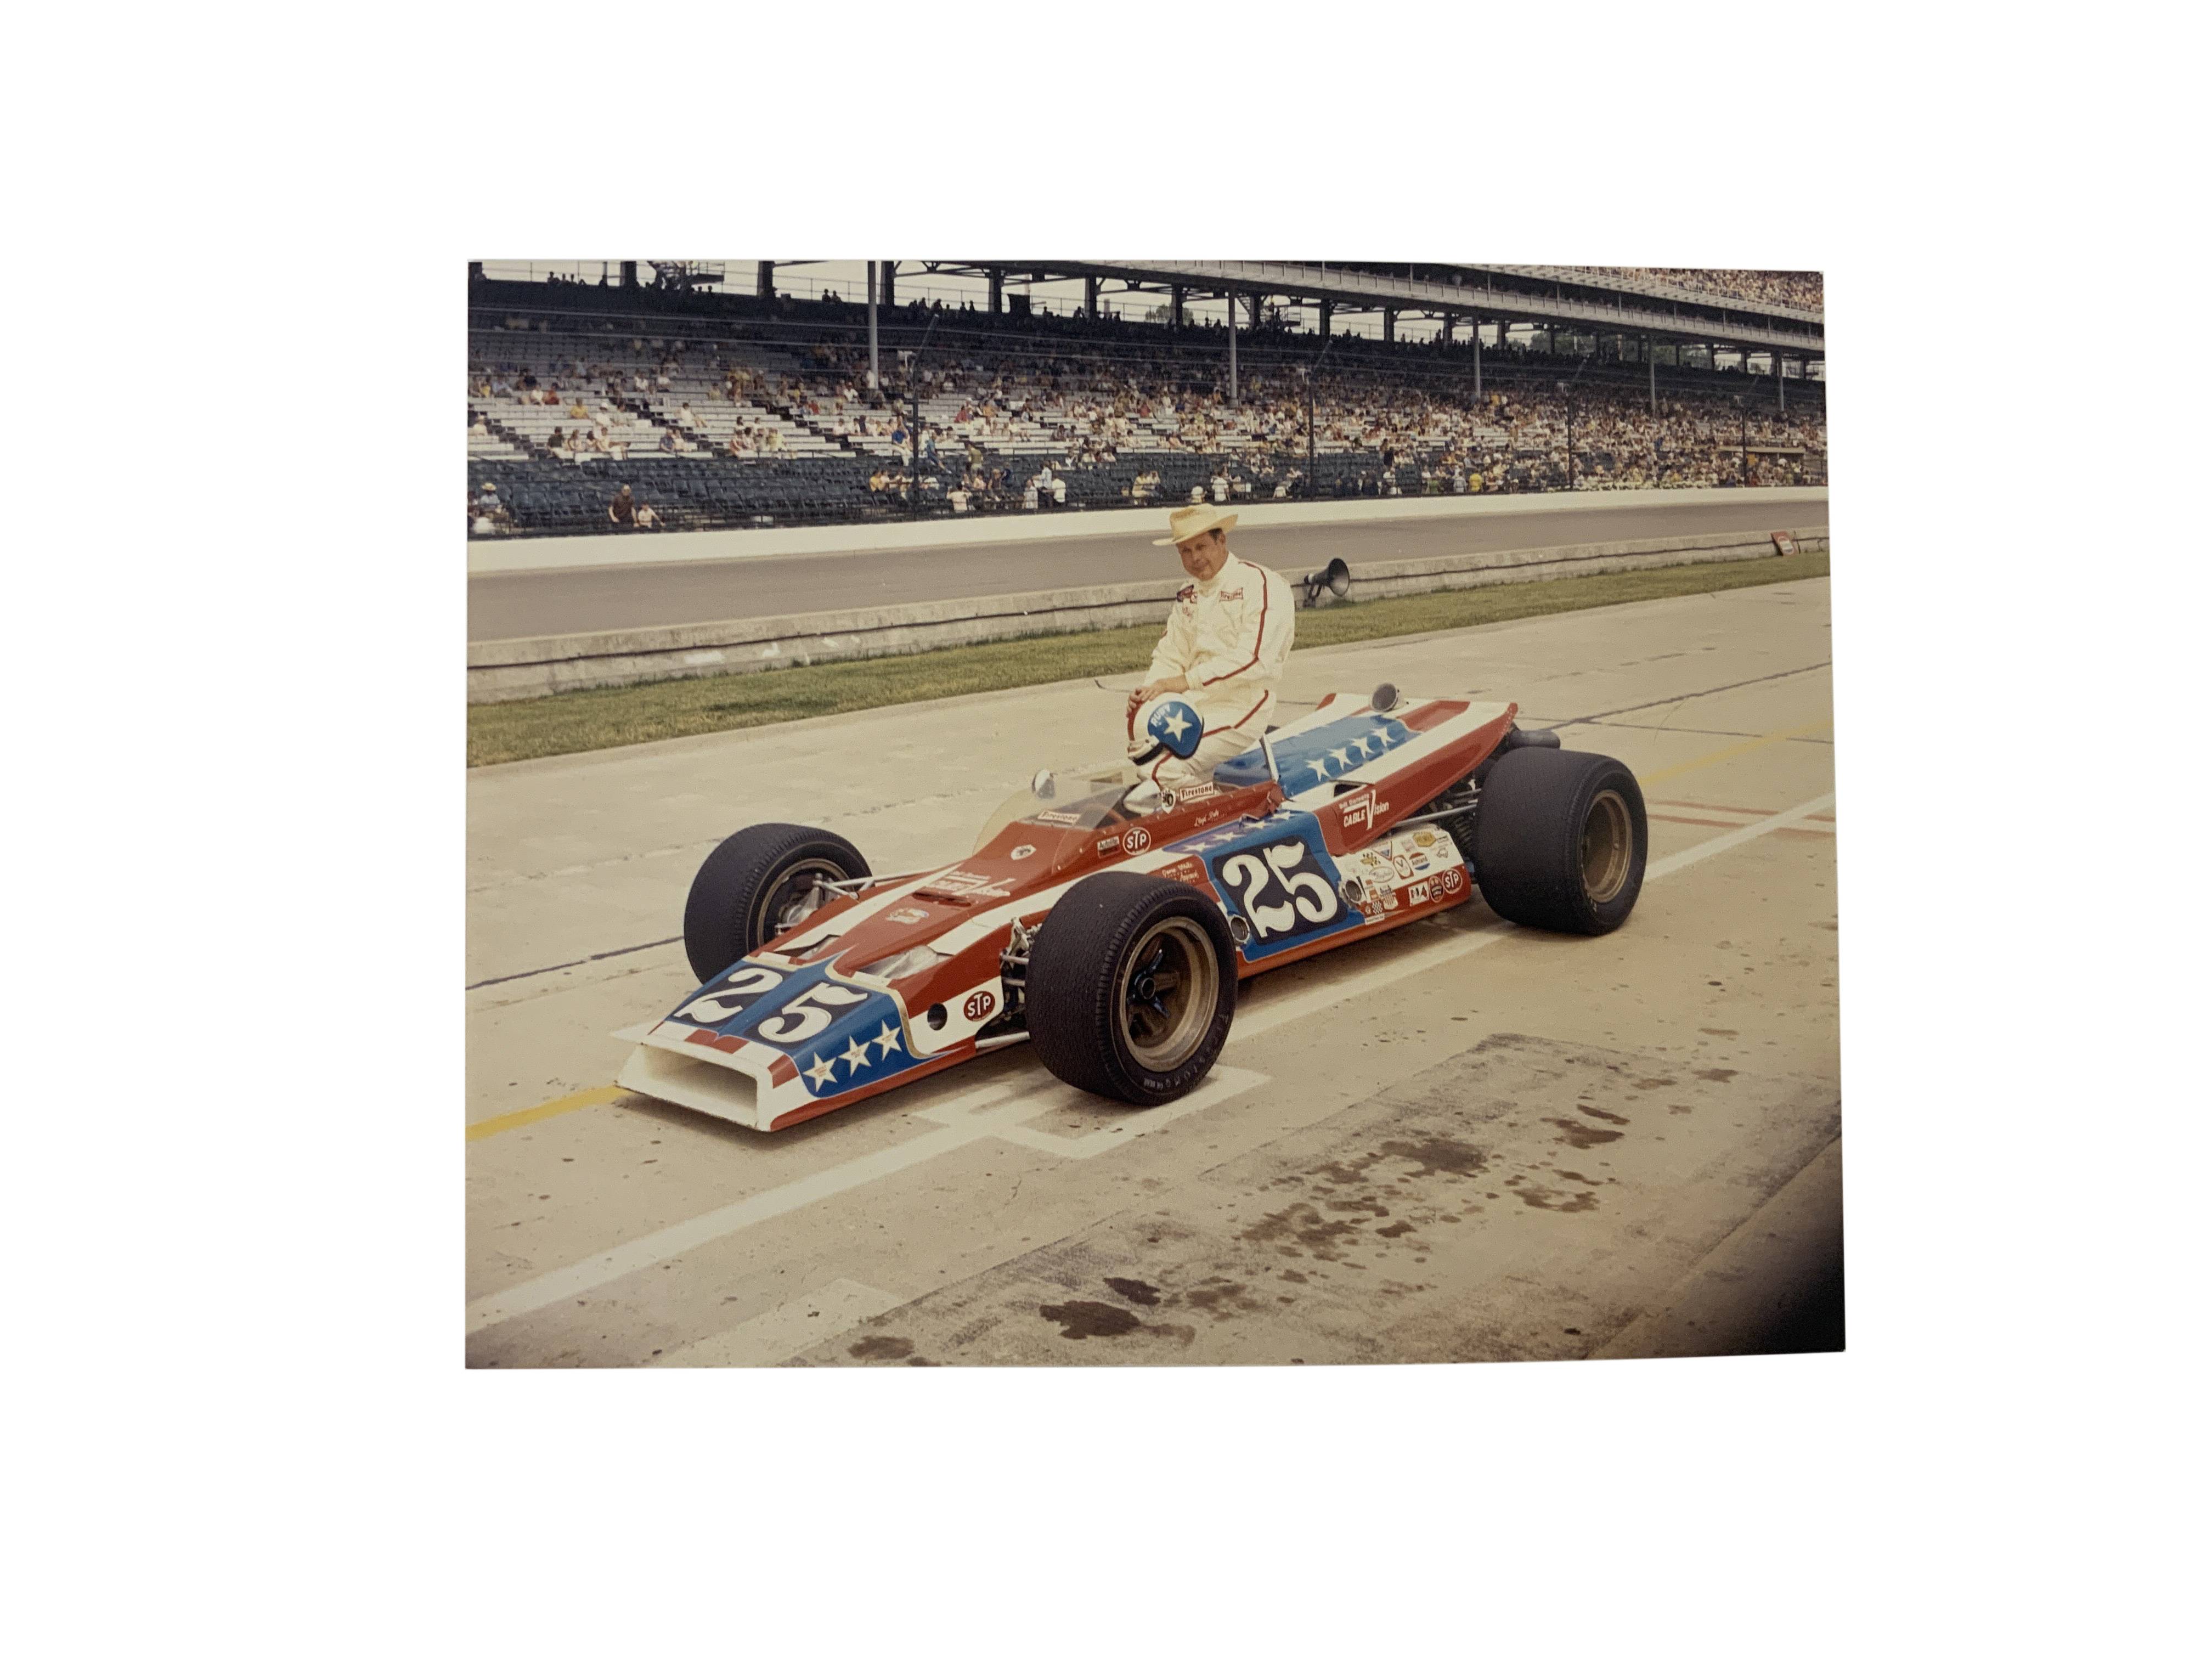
x,y
1732,751
575,1103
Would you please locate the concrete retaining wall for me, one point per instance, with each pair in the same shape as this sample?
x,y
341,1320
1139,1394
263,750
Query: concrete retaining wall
x,y
579,552
504,671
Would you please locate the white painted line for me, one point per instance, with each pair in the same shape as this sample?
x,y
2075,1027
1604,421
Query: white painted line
x,y
588,1275
1705,849
998,1110
1221,1083
770,1339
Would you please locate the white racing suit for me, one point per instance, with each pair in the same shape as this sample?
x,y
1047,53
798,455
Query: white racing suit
x,y
1228,637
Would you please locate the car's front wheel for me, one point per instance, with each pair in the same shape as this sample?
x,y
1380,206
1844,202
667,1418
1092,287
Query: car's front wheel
x,y
760,883
1131,987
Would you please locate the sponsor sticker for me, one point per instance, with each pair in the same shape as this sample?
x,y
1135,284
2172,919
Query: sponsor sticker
x,y
1418,894
979,1005
1404,866
908,917
1357,809
1059,818
1425,838
1451,878
1136,840
1022,852
1198,792
1109,844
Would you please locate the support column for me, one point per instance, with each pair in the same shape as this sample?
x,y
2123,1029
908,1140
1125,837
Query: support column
x,y
1175,306
764,277
1389,324
875,379
997,289
1232,351
1475,335
1090,298
1781,384
1651,361
887,267
1448,321
1327,311
629,272
1252,303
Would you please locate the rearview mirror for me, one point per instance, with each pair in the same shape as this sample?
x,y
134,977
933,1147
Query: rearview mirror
x,y
1042,785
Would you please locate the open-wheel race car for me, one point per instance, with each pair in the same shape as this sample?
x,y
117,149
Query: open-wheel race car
x,y
1108,921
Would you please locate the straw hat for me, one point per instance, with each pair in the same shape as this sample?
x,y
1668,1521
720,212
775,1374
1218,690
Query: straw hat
x,y
1188,521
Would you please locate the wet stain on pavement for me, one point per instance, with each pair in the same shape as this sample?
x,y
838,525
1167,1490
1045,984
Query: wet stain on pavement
x,y
1655,1082
1081,1320
881,1347
1136,1290
1717,1074
1395,1230
1608,1117
1581,1136
1544,1198
1221,1297
1300,1228
1437,1152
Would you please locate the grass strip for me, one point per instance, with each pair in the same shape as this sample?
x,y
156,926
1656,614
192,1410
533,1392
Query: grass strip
x,y
571,722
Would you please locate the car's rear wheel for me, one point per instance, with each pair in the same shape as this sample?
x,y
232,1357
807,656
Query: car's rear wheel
x,y
761,884
1131,987
1560,840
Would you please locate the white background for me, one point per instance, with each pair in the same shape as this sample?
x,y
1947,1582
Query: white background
x,y
234,1175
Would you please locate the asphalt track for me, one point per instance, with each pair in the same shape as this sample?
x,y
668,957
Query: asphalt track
x,y
1462,1142
528,604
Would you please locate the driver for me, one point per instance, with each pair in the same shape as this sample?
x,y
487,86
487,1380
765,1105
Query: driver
x,y
1224,650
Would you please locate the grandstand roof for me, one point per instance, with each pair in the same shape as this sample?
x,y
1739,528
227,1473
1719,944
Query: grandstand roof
x,y
1568,296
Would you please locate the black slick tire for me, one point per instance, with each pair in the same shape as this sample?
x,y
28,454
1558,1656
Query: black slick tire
x,y
1131,987
751,883
1560,840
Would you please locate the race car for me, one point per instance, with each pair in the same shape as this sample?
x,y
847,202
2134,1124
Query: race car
x,y
1108,922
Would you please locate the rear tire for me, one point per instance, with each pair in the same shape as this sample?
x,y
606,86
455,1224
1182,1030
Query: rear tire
x,y
1560,840
1132,985
758,884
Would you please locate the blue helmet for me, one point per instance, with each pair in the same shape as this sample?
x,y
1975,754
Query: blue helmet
x,y
1165,725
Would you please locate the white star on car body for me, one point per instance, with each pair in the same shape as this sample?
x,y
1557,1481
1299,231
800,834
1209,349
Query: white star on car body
x,y
822,1070
887,1039
854,1056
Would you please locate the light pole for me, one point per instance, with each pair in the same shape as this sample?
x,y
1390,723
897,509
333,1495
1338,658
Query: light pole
x,y
1743,444
1566,392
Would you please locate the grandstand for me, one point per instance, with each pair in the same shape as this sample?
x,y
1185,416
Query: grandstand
x,y
727,409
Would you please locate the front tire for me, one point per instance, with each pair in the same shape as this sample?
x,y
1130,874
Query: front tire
x,y
760,883
1560,840
1132,985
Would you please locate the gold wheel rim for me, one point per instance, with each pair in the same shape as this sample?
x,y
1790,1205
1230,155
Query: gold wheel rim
x,y
1170,982
1609,846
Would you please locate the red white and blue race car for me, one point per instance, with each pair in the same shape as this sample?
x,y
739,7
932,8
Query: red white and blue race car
x,y
1108,922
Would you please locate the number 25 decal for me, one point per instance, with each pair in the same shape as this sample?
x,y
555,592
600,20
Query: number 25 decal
x,y
1308,896
808,1015
729,998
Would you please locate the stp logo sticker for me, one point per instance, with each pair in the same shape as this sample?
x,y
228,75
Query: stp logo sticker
x,y
1136,840
1451,878
978,1005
